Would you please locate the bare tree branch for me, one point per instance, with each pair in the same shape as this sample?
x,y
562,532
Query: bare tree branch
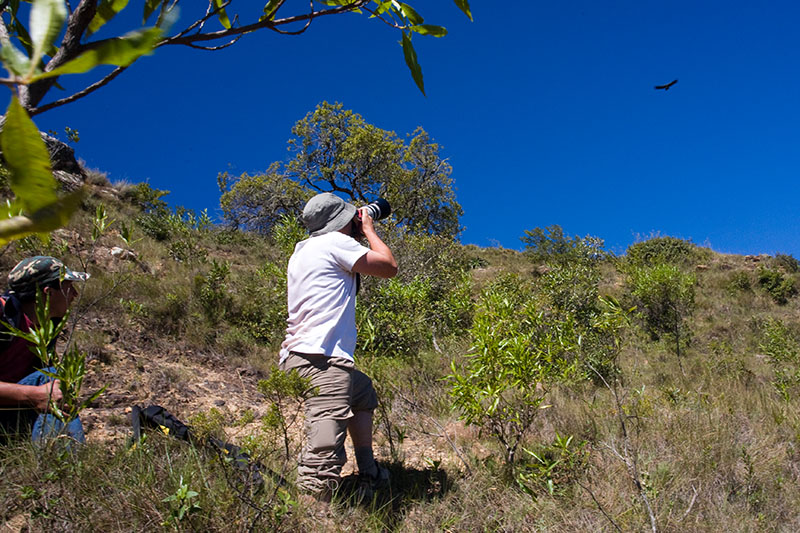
x,y
80,94
266,23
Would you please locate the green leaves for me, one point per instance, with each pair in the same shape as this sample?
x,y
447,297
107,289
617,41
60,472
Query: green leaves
x,y
412,16
411,60
48,218
222,15
270,9
31,180
463,5
47,17
430,29
107,10
27,158
121,51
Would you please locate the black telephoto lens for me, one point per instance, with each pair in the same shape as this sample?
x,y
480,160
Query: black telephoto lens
x,y
379,209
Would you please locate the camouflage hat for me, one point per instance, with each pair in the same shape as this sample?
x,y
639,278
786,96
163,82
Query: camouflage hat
x,y
40,271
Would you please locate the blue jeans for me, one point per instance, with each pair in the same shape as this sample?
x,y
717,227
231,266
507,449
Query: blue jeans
x,y
40,425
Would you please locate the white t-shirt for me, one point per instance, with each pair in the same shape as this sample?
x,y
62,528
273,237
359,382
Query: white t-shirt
x,y
321,290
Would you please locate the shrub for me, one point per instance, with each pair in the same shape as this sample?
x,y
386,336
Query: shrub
x,y
211,292
786,262
664,250
572,289
780,345
517,353
395,319
258,304
739,282
665,298
551,468
550,245
778,286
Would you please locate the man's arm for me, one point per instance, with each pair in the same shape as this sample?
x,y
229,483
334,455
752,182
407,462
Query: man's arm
x,y
32,396
379,261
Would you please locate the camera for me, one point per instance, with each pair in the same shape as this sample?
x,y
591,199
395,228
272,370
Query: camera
x,y
379,209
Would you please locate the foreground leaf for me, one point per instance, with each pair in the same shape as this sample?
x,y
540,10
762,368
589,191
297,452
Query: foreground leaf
x,y
121,51
411,60
106,11
223,16
463,5
47,17
25,153
430,29
50,217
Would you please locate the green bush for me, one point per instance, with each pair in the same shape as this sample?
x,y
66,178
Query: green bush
x,y
258,304
780,345
552,468
395,319
550,245
786,262
739,282
518,352
778,286
571,289
665,250
211,291
430,297
665,298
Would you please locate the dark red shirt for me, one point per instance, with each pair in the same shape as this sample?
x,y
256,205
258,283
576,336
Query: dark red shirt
x,y
16,358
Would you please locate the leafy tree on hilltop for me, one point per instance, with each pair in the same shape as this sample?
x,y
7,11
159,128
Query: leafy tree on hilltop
x,y
337,151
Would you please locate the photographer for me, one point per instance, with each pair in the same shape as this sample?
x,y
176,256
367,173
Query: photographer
x,y
26,393
321,338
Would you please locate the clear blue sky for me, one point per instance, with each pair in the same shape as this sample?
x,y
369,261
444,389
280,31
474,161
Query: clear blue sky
x,y
546,111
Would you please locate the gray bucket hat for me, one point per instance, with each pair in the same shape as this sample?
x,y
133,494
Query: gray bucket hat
x,y
39,271
326,212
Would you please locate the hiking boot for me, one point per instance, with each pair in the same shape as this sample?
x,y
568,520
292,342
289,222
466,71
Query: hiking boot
x,y
369,485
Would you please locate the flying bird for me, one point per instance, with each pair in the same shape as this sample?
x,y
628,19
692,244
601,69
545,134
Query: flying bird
x,y
667,86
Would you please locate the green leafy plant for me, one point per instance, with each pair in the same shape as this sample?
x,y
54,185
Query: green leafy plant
x,y
518,352
665,298
776,284
781,347
283,389
664,250
554,466
181,504
550,245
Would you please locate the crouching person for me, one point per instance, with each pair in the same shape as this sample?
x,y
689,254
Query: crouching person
x,y
25,393
321,338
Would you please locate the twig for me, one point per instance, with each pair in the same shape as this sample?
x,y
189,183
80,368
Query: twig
x,y
691,504
628,458
599,506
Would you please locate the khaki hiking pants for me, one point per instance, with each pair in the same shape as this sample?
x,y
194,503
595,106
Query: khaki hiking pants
x,y
341,390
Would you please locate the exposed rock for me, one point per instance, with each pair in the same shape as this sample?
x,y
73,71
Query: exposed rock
x,y
701,267
123,254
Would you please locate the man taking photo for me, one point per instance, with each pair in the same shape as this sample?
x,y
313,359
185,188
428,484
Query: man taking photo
x,y
322,282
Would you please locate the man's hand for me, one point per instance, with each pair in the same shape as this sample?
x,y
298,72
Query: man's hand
x,y
366,221
39,396
379,261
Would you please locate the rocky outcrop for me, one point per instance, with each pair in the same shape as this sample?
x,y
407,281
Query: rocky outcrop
x,y
66,169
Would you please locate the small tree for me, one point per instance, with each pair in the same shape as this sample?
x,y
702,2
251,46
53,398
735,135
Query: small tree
x,y
665,297
550,245
517,354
